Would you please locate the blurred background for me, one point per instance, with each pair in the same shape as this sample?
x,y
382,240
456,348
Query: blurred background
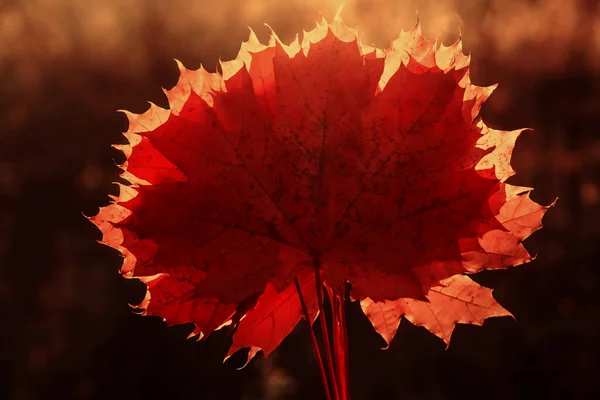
x,y
66,331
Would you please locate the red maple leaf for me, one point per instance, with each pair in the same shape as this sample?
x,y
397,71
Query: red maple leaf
x,y
371,167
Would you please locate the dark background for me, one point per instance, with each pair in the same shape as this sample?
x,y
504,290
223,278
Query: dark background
x,y
66,331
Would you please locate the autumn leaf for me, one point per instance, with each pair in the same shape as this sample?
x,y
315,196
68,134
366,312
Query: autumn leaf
x,y
274,313
457,300
369,166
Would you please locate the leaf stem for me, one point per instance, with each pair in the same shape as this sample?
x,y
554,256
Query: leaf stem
x,y
343,348
313,338
324,332
336,340
339,338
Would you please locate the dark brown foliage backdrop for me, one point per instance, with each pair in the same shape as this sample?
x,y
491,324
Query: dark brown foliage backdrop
x,y
66,330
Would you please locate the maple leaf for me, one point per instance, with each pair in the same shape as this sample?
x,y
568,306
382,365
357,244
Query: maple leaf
x,y
369,166
457,300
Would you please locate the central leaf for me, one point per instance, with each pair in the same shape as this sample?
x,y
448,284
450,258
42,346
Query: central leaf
x,y
368,166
